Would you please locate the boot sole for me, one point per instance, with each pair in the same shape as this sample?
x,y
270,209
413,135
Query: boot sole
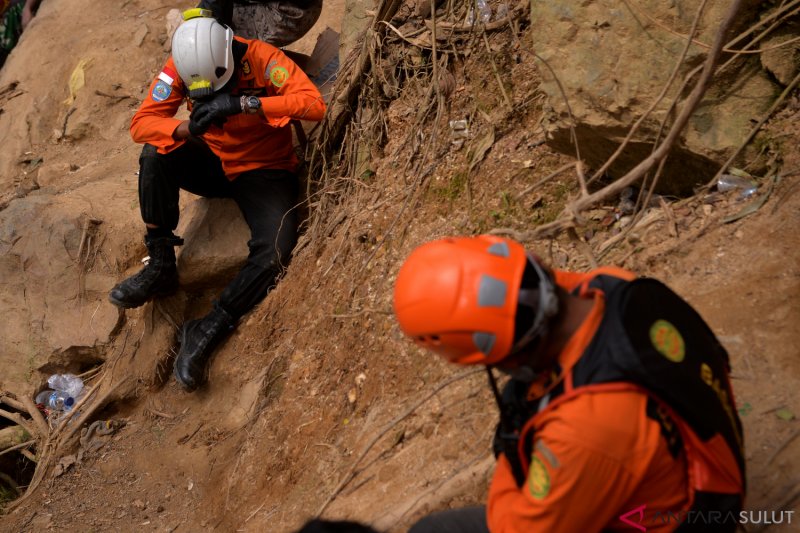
x,y
129,305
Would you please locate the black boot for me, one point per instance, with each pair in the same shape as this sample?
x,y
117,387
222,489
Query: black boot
x,y
158,278
198,340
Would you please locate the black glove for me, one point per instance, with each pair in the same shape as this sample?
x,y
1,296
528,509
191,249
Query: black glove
x,y
213,111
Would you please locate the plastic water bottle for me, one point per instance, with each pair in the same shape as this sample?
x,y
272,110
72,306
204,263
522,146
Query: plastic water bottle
x,y
730,182
55,400
70,384
483,10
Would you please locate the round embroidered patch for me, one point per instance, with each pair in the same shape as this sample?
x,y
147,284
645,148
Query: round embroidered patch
x,y
668,340
538,479
278,76
161,91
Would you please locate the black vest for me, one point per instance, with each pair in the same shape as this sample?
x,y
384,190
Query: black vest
x,y
652,339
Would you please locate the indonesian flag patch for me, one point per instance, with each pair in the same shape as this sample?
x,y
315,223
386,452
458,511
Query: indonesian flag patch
x,y
163,87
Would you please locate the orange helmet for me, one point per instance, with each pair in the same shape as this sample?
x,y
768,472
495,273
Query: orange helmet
x,y
473,300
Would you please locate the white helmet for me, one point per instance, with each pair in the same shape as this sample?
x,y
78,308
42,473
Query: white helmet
x,y
202,50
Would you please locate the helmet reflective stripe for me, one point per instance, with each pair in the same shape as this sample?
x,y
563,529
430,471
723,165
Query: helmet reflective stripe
x,y
491,292
202,50
499,249
484,341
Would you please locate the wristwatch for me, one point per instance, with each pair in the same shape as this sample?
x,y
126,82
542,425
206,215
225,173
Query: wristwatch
x,y
250,104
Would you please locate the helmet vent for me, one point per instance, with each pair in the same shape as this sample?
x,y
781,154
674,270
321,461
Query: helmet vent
x,y
499,249
483,341
429,339
491,292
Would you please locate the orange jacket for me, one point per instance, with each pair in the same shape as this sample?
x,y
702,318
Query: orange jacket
x,y
596,456
245,142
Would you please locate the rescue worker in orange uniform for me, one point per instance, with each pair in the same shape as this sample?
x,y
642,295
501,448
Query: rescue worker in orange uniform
x,y
618,414
236,144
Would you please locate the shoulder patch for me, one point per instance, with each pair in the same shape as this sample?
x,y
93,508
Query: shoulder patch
x,y
277,75
161,91
538,479
668,340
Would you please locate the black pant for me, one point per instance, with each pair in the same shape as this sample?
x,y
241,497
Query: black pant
x,y
266,198
465,520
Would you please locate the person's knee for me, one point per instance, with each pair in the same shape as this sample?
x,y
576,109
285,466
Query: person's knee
x,y
148,161
424,525
269,255
148,152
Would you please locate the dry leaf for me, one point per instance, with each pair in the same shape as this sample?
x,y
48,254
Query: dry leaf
x,y
77,80
479,152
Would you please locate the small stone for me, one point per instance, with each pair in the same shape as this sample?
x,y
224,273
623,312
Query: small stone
x,y
160,509
139,504
739,234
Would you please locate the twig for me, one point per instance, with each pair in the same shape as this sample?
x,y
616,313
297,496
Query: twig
x,y
159,413
581,178
29,456
544,180
496,73
17,419
66,119
12,402
117,97
36,415
351,473
17,447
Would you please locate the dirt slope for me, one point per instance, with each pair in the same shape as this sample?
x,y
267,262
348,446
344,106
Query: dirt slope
x,y
317,385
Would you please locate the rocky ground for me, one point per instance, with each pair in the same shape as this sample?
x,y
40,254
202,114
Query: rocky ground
x,y
317,403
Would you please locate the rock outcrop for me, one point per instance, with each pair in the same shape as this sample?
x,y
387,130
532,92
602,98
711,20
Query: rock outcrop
x,y
612,59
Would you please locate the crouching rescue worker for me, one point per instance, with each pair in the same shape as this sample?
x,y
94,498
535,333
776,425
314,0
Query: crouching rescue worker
x,y
618,414
236,144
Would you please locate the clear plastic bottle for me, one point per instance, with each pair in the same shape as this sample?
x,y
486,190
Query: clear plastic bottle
x,y
55,400
483,10
730,182
44,396
71,384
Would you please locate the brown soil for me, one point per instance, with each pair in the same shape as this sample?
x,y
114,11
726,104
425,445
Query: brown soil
x,y
319,372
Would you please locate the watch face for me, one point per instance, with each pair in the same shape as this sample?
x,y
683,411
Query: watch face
x,y
253,103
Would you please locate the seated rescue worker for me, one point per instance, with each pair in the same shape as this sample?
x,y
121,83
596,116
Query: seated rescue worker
x,y
618,414
236,144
